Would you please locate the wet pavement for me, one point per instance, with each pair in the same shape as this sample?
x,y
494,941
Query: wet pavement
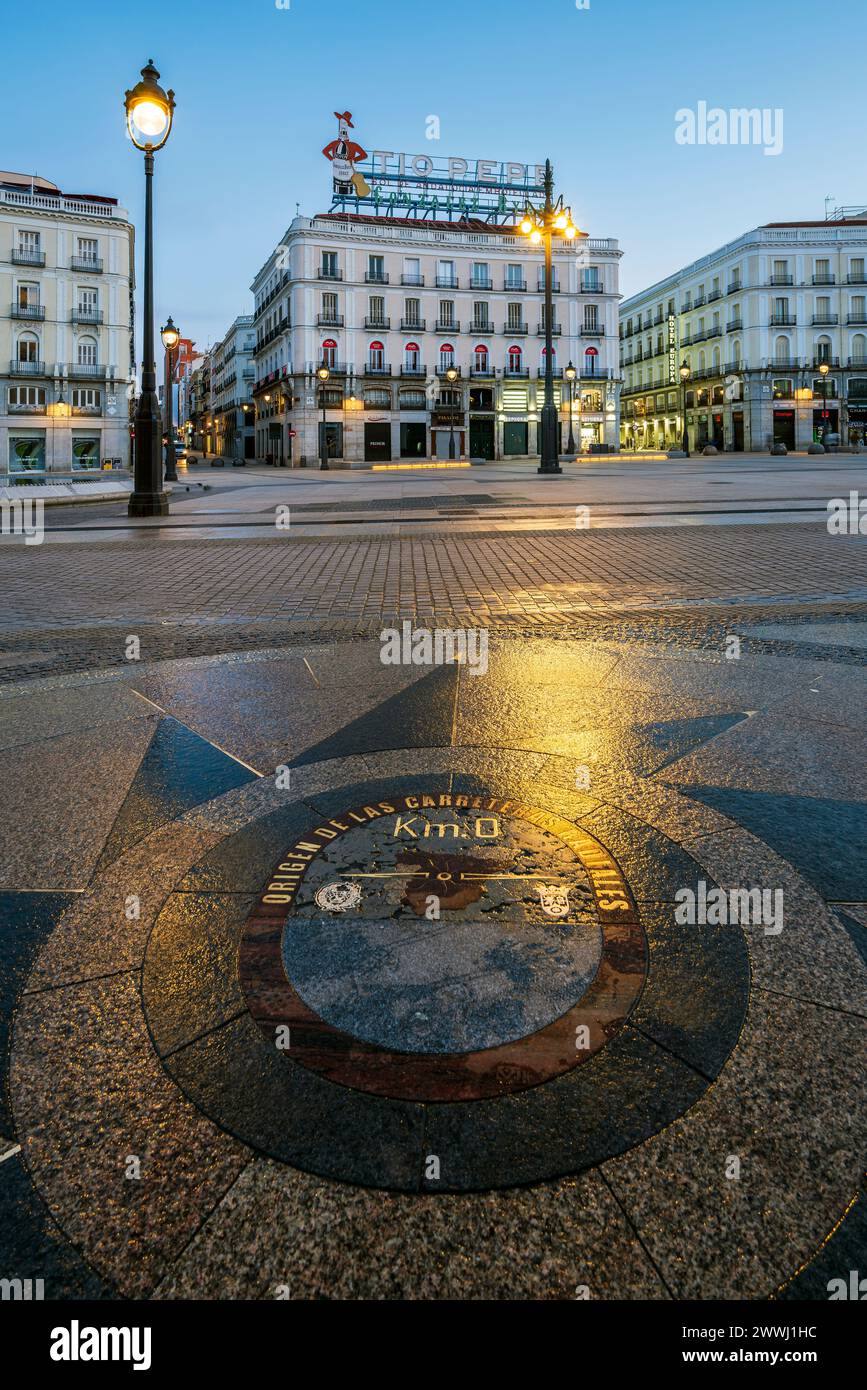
x,y
398,981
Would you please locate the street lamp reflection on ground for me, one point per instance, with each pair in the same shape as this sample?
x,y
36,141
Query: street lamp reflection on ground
x,y
451,378
171,337
570,375
685,374
323,374
541,225
149,115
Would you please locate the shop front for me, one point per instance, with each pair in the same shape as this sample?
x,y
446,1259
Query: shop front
x,y
27,451
482,437
442,424
825,421
784,427
377,441
516,437
413,440
857,424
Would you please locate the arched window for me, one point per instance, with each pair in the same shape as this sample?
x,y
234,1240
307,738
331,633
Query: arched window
x,y
480,359
87,352
591,360
716,359
822,350
515,361
447,356
412,357
553,360
736,352
377,399
329,353
376,356
781,349
702,361
859,349
28,348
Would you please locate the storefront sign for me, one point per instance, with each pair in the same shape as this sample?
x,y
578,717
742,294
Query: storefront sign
x,y
418,185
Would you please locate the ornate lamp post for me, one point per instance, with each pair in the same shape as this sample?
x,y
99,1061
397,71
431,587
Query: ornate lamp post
x,y
323,374
824,369
451,378
171,337
685,374
540,225
570,377
149,114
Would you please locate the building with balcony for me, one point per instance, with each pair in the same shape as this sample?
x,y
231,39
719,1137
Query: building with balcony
x,y
389,304
232,375
754,321
67,356
197,405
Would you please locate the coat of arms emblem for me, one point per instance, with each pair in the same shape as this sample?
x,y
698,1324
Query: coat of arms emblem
x,y
554,898
338,897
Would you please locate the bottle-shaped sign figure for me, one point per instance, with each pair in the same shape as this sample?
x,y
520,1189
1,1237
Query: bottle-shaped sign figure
x,y
344,154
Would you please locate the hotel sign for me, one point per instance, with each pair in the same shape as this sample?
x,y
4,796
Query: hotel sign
x,y
419,185
673,373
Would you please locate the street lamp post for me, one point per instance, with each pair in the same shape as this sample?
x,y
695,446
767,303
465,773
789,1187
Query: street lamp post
x,y
685,374
171,337
570,377
823,372
451,378
540,225
149,114
323,374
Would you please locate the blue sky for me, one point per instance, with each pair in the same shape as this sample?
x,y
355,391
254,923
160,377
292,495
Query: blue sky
x,y
596,90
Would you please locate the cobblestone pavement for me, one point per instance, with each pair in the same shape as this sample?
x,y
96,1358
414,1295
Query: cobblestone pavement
x,y
537,579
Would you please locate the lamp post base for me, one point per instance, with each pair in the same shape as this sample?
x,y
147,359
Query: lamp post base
x,y
148,504
549,468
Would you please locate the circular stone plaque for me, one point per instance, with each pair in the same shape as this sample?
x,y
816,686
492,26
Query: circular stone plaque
x,y
443,947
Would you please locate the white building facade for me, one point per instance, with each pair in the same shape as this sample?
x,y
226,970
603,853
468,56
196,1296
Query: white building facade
x,y
389,304
66,330
232,377
754,321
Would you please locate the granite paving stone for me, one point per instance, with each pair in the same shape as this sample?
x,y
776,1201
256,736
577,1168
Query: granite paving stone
x,y
825,838
34,1246
528,1244
103,931
190,981
61,802
791,1105
88,1094
785,756
28,718
259,1095
813,957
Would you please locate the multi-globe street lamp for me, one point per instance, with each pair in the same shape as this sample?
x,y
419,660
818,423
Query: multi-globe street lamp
x,y
451,378
323,374
541,225
149,115
171,337
570,375
685,374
